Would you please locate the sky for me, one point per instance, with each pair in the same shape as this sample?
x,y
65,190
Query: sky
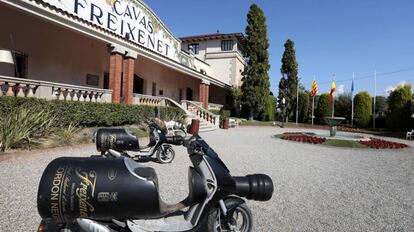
x,y
332,37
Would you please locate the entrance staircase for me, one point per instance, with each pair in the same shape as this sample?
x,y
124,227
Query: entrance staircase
x,y
208,120
192,109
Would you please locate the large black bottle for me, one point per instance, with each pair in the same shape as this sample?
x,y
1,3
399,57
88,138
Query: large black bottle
x,y
118,139
97,188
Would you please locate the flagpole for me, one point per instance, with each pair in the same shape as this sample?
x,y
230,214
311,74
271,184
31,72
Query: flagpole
x,y
313,107
297,102
375,96
314,90
333,99
352,100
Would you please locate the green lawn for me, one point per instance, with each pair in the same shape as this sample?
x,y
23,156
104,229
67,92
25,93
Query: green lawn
x,y
344,143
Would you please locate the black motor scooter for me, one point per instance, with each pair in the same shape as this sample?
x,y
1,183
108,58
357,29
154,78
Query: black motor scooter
x,y
119,140
118,194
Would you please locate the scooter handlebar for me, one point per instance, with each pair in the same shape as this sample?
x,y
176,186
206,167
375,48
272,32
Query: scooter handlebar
x,y
258,187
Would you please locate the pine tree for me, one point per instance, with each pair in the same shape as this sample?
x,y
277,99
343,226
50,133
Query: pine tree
x,y
255,87
289,81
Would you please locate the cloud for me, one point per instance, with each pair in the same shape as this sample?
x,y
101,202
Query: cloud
x,y
341,89
391,88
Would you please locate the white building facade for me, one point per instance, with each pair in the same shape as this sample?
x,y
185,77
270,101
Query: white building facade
x,y
115,51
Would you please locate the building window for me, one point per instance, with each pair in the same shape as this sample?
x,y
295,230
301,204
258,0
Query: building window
x,y
194,47
21,60
227,45
92,80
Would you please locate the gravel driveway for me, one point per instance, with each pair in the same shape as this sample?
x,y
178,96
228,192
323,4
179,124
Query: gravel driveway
x,y
316,188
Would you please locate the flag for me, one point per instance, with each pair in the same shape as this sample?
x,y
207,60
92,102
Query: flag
x,y
314,89
352,86
333,86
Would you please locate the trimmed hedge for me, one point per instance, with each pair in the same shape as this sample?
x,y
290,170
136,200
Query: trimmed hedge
x,y
89,114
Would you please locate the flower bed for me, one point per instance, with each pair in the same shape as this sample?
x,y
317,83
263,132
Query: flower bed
x,y
293,133
299,137
382,144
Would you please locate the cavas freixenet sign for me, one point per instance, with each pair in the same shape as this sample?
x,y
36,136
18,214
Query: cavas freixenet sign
x,y
127,18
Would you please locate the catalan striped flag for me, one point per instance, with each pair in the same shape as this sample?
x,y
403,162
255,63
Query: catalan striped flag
x,y
314,89
333,86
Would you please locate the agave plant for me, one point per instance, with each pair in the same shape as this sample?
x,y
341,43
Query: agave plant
x,y
68,133
23,124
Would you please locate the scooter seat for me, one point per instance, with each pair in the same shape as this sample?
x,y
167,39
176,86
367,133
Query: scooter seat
x,y
197,190
147,173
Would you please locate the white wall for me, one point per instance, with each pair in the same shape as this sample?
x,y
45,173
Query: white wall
x,y
54,54
168,80
224,65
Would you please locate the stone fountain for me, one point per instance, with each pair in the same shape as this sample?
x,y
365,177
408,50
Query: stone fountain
x,y
333,122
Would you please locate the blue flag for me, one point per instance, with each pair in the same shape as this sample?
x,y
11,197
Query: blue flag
x,y
352,86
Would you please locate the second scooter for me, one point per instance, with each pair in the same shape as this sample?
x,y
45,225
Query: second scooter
x,y
119,140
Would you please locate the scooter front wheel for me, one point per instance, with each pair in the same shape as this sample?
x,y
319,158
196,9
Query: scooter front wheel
x,y
165,154
240,221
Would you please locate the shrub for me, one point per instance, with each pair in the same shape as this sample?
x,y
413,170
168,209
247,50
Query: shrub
x,y
343,107
270,109
22,124
303,107
324,108
398,117
68,133
89,114
362,109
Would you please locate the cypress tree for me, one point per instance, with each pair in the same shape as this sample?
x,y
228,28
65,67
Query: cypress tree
x,y
289,81
303,106
255,87
362,109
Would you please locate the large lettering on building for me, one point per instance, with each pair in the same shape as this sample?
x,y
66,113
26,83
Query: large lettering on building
x,y
128,18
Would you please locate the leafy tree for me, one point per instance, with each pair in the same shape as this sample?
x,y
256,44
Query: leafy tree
x,y
381,108
289,81
235,101
255,87
303,106
399,101
343,106
362,109
381,105
323,108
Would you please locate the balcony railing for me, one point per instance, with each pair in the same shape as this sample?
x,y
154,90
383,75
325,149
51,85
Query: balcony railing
x,y
18,87
214,106
141,99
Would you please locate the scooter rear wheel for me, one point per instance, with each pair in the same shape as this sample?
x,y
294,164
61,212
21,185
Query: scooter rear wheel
x,y
165,154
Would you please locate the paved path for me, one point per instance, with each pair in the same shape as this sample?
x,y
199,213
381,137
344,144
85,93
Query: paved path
x,y
316,188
